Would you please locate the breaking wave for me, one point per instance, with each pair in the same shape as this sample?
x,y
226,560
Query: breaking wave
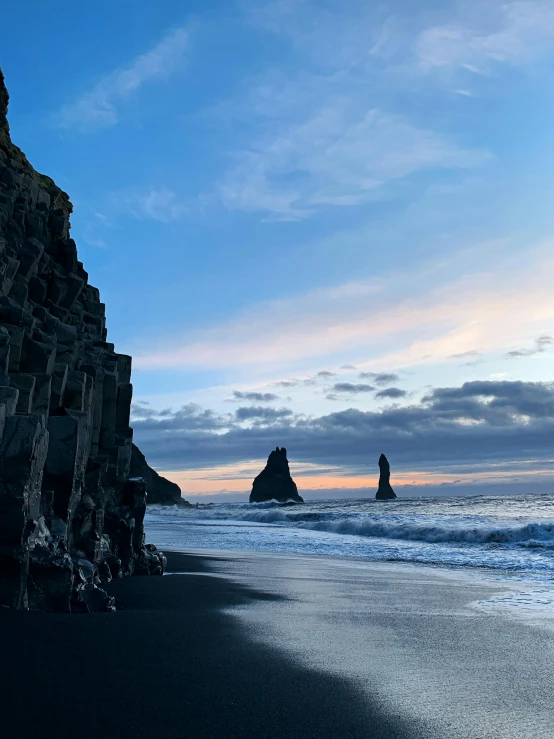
x,y
417,528
534,533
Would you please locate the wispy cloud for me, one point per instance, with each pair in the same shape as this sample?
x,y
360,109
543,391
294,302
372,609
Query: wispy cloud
x,y
487,33
93,230
99,107
393,326
541,345
473,35
466,355
380,378
323,134
157,204
339,155
470,35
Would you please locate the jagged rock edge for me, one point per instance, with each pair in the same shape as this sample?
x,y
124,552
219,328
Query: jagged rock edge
x,y
71,516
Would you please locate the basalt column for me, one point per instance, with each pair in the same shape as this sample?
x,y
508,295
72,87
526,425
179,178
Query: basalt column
x,y
70,517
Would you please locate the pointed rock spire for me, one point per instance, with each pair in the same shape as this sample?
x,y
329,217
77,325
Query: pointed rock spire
x,y
384,491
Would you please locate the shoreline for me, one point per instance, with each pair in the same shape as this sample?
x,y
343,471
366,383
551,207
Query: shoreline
x,y
276,645
509,543
172,664
435,648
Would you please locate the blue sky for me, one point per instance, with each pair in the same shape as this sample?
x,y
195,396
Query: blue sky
x,y
309,221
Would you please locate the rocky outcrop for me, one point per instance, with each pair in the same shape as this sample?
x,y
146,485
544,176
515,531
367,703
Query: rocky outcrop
x,y
384,491
71,516
160,490
275,482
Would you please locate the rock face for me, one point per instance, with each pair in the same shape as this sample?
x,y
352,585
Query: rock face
x,y
160,490
384,491
71,516
274,481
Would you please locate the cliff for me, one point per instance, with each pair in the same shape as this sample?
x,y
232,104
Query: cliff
x,y
275,482
71,516
160,490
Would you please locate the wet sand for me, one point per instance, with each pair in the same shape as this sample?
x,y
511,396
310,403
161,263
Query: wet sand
x,y
171,664
265,645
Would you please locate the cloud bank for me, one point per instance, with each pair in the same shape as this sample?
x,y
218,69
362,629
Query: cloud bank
x,y
477,428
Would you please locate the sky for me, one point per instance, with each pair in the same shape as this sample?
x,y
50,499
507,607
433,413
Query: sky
x,y
320,225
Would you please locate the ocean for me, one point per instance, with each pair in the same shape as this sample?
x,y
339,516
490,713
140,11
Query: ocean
x,y
504,537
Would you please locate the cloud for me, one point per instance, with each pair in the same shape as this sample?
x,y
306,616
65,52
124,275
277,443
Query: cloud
x,y
477,427
475,311
286,383
393,393
474,36
99,108
325,373
142,410
261,414
349,387
340,154
488,34
93,229
495,402
189,418
323,134
341,389
465,355
154,204
254,396
380,378
541,345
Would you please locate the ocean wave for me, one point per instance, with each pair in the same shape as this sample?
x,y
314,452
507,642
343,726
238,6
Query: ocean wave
x,y
532,535
441,529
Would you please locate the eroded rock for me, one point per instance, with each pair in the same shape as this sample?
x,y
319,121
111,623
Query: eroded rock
x,y
384,491
160,490
275,482
71,515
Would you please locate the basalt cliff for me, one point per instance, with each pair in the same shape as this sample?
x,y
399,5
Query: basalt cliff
x,y
275,482
71,516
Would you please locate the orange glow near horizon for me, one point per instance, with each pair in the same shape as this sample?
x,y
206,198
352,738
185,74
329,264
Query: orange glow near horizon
x,y
238,478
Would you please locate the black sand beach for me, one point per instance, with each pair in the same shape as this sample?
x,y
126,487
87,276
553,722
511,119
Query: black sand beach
x,y
270,645
169,665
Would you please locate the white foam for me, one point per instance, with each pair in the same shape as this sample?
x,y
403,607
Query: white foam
x,y
510,538
534,605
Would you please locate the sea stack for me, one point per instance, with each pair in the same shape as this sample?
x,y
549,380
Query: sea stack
x,y
71,515
384,491
275,482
